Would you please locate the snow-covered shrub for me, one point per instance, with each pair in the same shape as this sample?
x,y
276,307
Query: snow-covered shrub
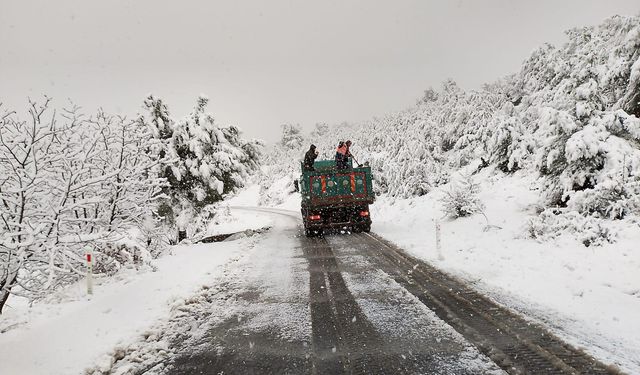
x,y
579,160
114,256
631,101
275,192
552,223
612,199
461,199
511,146
198,225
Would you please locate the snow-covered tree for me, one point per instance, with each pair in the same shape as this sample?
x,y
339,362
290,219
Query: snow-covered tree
x,y
430,95
320,130
68,182
204,160
291,136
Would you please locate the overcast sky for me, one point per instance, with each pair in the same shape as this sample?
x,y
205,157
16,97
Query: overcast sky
x,y
264,63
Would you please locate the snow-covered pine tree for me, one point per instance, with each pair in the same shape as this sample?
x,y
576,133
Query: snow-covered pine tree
x,y
292,138
320,130
204,161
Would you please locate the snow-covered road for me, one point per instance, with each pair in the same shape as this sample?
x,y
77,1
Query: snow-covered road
x,y
295,306
342,303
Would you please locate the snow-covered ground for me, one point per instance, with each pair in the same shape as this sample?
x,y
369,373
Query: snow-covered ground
x,y
70,331
262,300
267,268
588,295
238,220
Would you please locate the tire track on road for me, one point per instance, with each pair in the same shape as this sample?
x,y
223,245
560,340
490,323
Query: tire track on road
x,y
343,339
515,344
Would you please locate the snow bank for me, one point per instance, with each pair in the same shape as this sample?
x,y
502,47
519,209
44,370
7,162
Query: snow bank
x,y
72,333
227,220
247,293
588,295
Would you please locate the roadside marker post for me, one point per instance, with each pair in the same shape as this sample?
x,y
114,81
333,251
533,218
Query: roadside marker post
x,y
89,258
438,244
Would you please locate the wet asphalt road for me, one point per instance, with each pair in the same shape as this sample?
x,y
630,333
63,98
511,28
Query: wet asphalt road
x,y
354,304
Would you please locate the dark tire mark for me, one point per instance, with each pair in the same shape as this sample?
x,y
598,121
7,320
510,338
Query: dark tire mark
x,y
515,344
343,339
234,346
231,348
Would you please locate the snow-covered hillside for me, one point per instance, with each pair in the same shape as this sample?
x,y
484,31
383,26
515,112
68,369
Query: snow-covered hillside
x,y
588,296
549,160
570,117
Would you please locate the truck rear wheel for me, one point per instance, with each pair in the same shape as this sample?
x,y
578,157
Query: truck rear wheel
x,y
366,228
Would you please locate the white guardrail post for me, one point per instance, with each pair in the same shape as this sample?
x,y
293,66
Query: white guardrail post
x,y
89,257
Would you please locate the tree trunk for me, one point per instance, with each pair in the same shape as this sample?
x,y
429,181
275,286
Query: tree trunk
x,y
631,101
5,288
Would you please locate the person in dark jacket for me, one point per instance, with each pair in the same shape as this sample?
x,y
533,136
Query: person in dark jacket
x,y
309,158
340,155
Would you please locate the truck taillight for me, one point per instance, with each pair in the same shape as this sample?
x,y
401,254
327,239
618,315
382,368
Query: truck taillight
x,y
314,217
364,213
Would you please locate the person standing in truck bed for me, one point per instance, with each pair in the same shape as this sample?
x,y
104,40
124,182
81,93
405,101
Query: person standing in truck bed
x,y
347,153
340,152
343,154
309,158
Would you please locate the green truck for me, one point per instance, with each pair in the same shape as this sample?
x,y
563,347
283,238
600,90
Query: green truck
x,y
335,198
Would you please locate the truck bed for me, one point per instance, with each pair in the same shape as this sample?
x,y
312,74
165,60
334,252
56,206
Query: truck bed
x,y
334,197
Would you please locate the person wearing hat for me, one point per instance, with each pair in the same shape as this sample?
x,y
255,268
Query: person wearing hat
x,y
347,153
343,154
309,158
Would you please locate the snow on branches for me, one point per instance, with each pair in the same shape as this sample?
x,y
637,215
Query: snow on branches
x,y
68,181
570,115
462,198
203,160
